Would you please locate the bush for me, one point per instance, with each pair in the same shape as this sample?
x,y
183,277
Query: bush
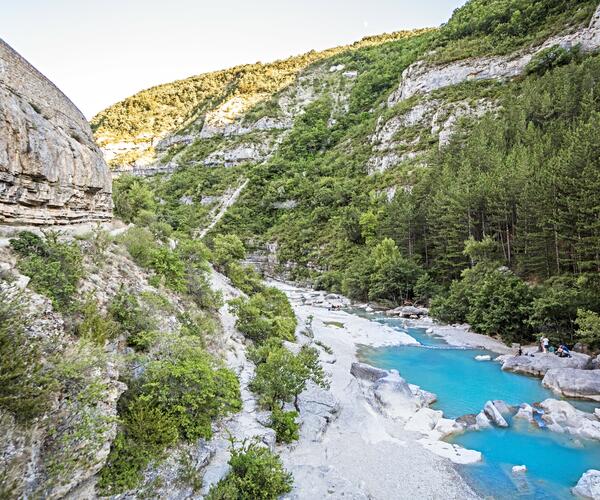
x,y
265,315
26,386
589,328
281,375
131,196
177,398
549,58
146,433
191,388
94,325
285,426
256,473
54,267
245,278
133,321
227,249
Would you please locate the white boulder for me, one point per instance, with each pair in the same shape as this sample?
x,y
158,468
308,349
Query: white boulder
x,y
519,469
588,485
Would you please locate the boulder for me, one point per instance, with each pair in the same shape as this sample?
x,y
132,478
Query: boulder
x,y
525,412
540,363
424,421
574,383
503,408
482,421
394,396
453,452
595,364
318,408
408,311
483,357
519,469
561,416
494,414
468,422
364,371
588,485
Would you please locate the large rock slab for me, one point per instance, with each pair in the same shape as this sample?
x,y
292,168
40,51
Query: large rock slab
x,y
561,416
394,396
540,363
367,372
494,414
588,485
51,171
574,383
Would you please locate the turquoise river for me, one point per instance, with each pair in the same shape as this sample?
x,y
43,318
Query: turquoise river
x,y
463,385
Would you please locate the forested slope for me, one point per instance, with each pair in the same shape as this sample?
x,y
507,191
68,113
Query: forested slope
x,y
472,184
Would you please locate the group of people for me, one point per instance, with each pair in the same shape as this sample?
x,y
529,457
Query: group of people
x,y
563,351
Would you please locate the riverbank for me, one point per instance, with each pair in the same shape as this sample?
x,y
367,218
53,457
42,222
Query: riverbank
x,y
362,453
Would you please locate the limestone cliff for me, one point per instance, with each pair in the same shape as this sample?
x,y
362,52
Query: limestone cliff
x,y
51,171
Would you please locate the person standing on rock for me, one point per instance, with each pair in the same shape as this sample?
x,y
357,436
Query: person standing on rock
x,y
545,344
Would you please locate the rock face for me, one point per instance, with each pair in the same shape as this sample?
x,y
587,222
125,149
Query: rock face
x,y
540,363
421,77
51,171
574,383
588,485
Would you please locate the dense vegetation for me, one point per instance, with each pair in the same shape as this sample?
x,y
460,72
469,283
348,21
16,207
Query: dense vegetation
x,y
520,182
256,473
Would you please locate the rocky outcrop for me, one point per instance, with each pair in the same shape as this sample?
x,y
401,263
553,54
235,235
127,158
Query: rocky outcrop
x,y
574,383
538,364
422,77
561,416
494,414
367,372
588,485
51,171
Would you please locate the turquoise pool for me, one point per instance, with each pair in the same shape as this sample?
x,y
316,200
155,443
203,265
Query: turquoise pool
x,y
463,385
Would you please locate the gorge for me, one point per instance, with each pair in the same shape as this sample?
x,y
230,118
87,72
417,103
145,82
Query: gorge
x,y
328,276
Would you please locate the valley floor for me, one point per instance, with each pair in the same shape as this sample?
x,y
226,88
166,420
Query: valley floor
x,y
362,454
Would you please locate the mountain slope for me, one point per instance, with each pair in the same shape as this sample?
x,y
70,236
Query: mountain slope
x,y
370,171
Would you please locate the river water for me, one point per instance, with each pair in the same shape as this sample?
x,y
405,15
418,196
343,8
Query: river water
x,y
463,385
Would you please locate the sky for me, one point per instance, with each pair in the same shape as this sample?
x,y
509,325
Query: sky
x,y
99,52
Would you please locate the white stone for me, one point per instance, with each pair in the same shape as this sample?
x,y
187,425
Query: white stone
x,y
519,469
457,454
588,485
483,357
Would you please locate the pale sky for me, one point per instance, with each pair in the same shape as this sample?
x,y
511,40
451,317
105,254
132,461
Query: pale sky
x,y
99,52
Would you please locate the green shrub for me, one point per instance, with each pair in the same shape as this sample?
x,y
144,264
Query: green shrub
x,y
131,196
133,320
256,473
94,325
589,328
54,267
227,249
146,433
178,397
285,425
549,58
281,375
192,388
26,385
245,278
265,315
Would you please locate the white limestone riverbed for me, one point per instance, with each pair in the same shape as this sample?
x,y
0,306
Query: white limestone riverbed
x,y
364,453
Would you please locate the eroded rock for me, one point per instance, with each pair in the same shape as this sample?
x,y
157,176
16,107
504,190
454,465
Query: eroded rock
x,y
575,383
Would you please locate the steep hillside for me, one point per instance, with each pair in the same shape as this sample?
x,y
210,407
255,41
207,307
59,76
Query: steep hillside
x,y
369,172
51,171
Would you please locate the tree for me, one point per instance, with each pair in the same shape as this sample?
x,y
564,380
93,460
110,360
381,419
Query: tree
x,y
589,328
281,375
